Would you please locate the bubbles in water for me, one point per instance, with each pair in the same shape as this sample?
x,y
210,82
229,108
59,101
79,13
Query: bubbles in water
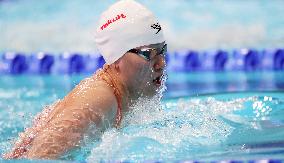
x,y
261,109
154,130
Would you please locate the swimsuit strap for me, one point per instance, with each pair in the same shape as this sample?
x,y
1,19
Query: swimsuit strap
x,y
104,75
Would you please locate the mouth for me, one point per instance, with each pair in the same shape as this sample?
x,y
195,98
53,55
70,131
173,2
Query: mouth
x,y
158,81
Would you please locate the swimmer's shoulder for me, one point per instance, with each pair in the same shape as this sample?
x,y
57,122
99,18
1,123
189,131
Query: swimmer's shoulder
x,y
95,95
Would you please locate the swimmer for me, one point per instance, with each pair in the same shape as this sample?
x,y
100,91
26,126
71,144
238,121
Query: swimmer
x,y
132,43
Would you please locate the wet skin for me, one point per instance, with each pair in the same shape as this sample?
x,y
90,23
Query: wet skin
x,y
61,126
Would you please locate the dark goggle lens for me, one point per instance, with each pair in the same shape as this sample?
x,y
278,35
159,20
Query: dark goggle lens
x,y
146,53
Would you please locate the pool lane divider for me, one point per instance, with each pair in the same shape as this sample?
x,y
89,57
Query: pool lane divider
x,y
186,61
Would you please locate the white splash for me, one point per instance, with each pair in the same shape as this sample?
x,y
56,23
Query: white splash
x,y
152,130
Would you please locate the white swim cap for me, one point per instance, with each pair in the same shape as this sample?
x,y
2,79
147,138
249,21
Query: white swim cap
x,y
126,25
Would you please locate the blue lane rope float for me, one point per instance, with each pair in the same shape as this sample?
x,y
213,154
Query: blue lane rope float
x,y
251,60
46,63
220,60
101,61
14,63
192,61
211,60
279,59
40,63
76,64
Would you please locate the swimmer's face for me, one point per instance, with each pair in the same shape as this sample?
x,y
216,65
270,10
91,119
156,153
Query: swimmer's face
x,y
144,73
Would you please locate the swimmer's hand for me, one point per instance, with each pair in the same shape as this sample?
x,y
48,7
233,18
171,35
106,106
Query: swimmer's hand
x,y
89,103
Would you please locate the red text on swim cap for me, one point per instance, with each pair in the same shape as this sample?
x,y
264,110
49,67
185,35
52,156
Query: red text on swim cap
x,y
112,20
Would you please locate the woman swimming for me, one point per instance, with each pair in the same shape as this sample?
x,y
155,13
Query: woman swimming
x,y
131,41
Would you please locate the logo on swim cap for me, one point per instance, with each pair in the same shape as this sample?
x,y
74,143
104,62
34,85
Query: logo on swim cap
x,y
157,26
117,33
112,20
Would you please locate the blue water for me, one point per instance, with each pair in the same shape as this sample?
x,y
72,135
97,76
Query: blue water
x,y
203,116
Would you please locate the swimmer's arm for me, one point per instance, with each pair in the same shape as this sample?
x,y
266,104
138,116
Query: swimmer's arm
x,y
65,132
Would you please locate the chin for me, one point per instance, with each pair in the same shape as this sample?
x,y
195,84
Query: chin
x,y
150,90
151,93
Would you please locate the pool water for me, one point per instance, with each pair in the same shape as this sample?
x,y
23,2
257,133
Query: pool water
x,y
203,116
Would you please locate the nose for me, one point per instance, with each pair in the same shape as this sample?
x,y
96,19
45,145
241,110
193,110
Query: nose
x,y
159,64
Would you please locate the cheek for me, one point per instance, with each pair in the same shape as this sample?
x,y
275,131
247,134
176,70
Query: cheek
x,y
138,69
142,75
145,71
134,70
138,65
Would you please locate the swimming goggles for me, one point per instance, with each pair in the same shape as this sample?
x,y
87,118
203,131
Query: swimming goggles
x,y
147,53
